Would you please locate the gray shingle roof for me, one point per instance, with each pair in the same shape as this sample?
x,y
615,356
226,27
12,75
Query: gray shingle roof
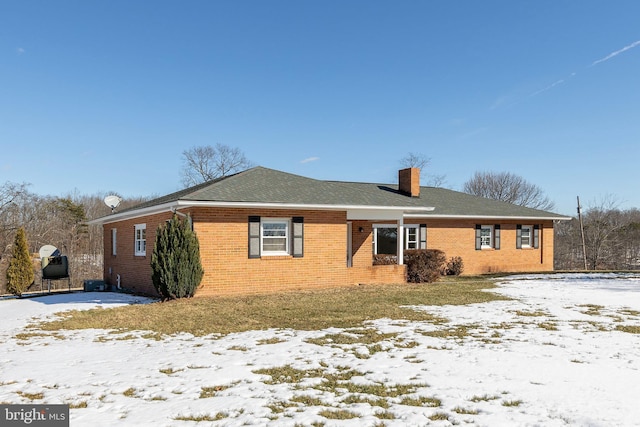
x,y
262,185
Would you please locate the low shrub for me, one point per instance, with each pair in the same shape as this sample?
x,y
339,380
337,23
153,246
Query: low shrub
x,y
424,265
384,259
454,266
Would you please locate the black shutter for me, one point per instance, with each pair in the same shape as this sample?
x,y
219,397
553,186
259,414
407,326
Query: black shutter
x,y
254,237
496,236
519,236
478,237
423,236
298,236
536,236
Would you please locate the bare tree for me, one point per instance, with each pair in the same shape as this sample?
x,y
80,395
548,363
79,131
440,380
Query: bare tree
x,y
201,164
420,161
508,187
602,223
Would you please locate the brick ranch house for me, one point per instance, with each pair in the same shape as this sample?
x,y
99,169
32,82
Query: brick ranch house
x,y
265,230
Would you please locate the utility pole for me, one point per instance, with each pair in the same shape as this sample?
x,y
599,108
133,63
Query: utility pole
x,y
584,247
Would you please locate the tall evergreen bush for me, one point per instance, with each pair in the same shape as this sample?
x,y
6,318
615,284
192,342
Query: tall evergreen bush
x,y
20,274
175,261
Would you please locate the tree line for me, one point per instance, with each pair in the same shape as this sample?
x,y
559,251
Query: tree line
x,y
611,235
54,220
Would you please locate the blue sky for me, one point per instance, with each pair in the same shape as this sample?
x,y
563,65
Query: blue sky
x,y
104,96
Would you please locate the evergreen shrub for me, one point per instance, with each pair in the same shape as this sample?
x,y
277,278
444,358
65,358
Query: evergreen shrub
x,y
20,274
175,260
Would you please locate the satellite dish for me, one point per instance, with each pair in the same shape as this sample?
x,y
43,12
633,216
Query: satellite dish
x,y
112,201
48,251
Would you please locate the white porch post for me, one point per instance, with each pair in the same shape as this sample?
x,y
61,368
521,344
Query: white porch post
x,y
401,241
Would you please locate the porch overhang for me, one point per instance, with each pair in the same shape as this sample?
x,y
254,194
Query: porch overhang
x,y
384,214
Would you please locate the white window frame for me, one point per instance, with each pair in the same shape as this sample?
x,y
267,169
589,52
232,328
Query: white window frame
x,y
140,240
529,237
114,241
287,236
406,240
483,238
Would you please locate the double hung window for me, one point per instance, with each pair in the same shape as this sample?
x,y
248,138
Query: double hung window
x,y
276,236
140,242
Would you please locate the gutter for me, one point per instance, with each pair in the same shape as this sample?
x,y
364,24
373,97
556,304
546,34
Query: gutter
x,y
383,211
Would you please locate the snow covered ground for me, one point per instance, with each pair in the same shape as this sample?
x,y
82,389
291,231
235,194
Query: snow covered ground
x,y
566,351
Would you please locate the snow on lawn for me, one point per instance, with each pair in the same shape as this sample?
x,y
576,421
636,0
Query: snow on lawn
x,y
565,351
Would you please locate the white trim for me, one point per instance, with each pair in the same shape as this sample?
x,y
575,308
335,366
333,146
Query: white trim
x,y
491,236
349,244
491,217
354,212
287,236
530,237
139,249
114,242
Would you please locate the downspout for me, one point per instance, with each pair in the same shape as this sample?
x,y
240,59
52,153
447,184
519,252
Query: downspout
x,y
184,215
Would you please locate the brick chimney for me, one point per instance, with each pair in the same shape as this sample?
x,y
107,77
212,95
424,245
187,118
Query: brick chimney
x,y
409,181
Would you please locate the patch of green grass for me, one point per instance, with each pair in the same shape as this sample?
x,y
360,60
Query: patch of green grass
x,y
338,414
512,403
346,307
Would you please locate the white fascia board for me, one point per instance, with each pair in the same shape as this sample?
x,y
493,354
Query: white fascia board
x,y
151,210
491,217
349,208
354,212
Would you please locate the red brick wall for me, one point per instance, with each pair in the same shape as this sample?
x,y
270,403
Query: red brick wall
x,y
223,237
134,271
457,238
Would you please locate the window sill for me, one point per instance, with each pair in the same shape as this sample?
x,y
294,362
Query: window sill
x,y
276,257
